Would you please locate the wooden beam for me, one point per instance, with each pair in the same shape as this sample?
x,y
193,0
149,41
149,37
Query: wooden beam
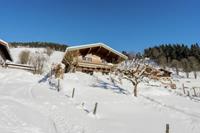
x,y
89,51
98,50
108,54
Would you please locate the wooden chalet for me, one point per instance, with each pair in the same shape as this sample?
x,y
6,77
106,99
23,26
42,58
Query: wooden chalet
x,y
95,57
4,52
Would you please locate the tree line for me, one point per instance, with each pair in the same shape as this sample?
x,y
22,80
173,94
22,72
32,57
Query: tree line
x,y
178,56
54,46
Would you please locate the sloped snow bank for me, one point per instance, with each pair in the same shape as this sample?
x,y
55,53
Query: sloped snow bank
x,y
27,105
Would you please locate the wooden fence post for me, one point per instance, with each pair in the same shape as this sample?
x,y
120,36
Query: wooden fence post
x,y
58,85
183,89
95,109
73,92
167,128
51,73
195,94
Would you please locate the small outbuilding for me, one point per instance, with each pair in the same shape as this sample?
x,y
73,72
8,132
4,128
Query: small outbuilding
x,y
165,73
92,57
4,52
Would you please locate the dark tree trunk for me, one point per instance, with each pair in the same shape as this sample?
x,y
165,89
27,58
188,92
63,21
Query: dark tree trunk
x,y
177,71
135,90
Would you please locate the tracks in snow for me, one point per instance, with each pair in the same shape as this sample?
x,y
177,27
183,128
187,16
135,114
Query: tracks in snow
x,y
56,114
23,92
193,115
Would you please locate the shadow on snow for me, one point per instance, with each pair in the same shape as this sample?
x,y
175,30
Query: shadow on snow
x,y
115,88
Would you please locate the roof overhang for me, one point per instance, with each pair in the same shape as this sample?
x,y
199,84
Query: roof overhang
x,y
101,50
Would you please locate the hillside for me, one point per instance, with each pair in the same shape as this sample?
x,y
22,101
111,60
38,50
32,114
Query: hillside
x,y
31,104
37,107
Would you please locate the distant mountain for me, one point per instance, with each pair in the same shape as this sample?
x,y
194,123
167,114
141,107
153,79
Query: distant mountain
x,y
55,46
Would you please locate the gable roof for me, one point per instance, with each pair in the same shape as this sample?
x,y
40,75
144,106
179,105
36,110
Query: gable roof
x,y
4,47
101,45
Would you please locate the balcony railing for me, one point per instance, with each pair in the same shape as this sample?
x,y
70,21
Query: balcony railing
x,y
94,65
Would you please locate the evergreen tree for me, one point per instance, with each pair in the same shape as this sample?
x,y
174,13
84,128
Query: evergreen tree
x,y
176,56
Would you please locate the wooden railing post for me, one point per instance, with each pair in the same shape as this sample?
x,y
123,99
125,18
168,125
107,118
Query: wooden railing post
x,y
58,85
167,128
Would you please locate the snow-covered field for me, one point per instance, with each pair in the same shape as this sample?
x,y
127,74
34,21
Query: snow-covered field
x,y
31,104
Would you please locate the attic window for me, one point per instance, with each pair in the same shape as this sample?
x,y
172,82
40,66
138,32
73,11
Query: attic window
x,y
87,59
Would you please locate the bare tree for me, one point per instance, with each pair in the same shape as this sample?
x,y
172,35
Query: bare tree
x,y
24,56
194,65
136,70
186,66
135,75
70,60
176,64
162,61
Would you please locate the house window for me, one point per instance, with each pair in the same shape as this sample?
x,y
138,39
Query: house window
x,y
87,59
104,61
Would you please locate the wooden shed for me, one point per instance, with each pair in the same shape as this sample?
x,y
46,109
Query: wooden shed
x,y
165,73
94,57
4,52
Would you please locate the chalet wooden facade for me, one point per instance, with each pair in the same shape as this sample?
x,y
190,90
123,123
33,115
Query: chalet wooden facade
x,y
94,57
4,52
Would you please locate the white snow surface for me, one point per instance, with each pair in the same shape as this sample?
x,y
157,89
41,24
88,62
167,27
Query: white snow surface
x,y
31,104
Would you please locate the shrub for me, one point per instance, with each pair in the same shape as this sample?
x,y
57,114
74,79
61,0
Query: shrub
x,y
38,60
24,57
49,51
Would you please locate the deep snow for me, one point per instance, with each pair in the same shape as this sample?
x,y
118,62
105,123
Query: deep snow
x,y
30,104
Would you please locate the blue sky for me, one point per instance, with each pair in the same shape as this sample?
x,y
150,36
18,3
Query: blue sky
x,y
130,25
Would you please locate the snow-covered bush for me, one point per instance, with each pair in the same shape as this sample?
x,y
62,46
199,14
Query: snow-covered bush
x,y
38,60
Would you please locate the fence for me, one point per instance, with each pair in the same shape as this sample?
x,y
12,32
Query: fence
x,y
191,91
20,66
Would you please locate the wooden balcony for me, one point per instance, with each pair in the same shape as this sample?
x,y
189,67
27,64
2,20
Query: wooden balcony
x,y
88,66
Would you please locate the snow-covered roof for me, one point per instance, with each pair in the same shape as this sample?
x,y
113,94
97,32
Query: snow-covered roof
x,y
72,48
2,42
